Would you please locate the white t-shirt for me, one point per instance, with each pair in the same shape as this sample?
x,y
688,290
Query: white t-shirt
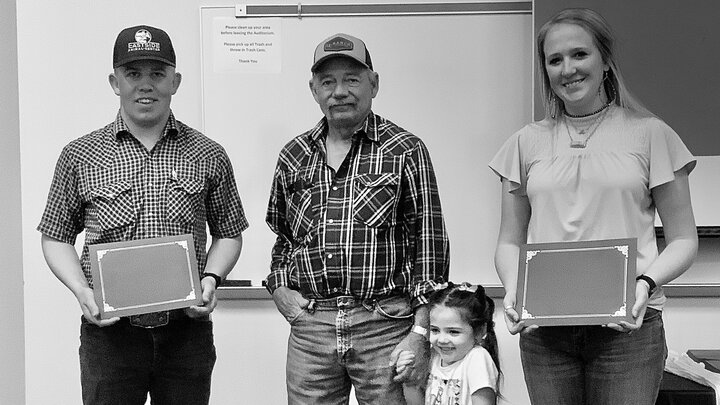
x,y
455,384
602,191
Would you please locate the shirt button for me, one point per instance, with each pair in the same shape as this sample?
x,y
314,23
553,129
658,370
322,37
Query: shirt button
x,y
330,221
329,255
335,188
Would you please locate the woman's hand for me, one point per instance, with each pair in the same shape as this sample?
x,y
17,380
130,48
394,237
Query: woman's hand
x,y
512,318
638,310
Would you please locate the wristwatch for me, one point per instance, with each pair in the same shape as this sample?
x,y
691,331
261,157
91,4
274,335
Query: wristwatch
x,y
650,282
420,331
217,278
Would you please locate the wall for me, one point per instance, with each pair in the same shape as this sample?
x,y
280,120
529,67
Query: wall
x,y
485,78
64,56
12,349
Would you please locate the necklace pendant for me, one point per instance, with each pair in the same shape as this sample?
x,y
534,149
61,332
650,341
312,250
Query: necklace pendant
x,y
578,143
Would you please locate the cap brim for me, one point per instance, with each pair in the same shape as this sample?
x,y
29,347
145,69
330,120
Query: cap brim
x,y
143,57
322,60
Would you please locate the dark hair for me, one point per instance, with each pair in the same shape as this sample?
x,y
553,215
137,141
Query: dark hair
x,y
476,308
599,30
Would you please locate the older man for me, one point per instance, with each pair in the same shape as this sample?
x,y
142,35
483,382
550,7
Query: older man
x,y
361,240
145,175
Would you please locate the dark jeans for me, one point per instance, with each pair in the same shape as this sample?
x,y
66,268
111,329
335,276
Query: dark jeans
x,y
593,365
342,342
120,364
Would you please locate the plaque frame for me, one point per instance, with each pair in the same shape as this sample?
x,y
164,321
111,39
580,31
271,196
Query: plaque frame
x,y
145,275
577,283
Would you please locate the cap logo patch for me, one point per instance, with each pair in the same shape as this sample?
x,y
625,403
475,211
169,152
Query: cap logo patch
x,y
143,42
143,36
338,44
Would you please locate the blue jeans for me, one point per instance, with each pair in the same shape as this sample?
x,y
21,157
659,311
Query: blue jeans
x,y
340,342
594,365
120,364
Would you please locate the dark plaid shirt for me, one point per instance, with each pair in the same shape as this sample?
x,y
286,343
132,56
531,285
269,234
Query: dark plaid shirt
x,y
109,185
372,229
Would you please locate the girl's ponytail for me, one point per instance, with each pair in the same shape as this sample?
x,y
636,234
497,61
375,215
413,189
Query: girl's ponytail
x,y
489,342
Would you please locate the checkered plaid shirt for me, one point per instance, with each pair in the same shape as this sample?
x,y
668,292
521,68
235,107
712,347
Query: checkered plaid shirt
x,y
372,229
109,185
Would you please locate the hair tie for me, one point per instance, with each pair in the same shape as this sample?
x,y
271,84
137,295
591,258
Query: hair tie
x,y
439,287
465,286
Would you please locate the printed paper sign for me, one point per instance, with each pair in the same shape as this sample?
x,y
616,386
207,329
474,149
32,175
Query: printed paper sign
x,y
246,45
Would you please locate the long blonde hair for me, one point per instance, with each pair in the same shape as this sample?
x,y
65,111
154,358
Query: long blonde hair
x,y
614,85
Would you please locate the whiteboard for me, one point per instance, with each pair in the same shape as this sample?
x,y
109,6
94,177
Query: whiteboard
x,y
462,83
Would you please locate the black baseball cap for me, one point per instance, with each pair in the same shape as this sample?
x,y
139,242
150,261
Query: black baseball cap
x,y
143,42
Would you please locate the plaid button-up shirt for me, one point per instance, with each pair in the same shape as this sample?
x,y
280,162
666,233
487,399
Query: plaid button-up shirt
x,y
374,228
108,184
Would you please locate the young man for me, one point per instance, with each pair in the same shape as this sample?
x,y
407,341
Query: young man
x,y
145,175
361,240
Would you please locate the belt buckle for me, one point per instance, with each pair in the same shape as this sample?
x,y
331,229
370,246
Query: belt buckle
x,y
151,320
345,301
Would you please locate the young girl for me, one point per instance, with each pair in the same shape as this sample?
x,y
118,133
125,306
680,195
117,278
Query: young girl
x,y
464,368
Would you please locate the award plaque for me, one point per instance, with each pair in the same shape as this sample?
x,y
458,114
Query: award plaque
x,y
146,275
576,283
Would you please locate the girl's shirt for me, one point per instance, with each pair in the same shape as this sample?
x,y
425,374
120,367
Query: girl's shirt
x,y
602,191
455,384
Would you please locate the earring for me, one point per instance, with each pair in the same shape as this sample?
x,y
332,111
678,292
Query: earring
x,y
552,101
613,91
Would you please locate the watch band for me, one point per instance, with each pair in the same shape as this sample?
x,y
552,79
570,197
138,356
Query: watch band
x,y
420,330
217,278
650,282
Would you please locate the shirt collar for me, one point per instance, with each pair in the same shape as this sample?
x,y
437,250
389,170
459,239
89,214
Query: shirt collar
x,y
368,129
170,130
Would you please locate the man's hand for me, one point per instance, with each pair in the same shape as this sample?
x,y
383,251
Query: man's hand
x,y
289,302
417,372
90,310
209,300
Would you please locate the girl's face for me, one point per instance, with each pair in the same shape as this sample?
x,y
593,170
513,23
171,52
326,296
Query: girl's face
x,y
574,67
450,335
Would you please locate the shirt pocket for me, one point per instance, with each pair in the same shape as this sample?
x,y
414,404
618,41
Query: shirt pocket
x,y
184,199
114,204
375,199
299,197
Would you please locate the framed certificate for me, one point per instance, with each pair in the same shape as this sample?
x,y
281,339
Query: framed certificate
x,y
146,275
576,283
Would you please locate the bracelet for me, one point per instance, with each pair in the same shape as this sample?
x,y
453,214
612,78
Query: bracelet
x,y
217,278
650,282
420,331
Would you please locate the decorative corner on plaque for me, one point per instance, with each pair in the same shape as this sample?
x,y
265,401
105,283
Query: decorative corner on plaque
x,y
107,307
183,244
623,249
530,254
101,253
621,312
190,296
526,314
